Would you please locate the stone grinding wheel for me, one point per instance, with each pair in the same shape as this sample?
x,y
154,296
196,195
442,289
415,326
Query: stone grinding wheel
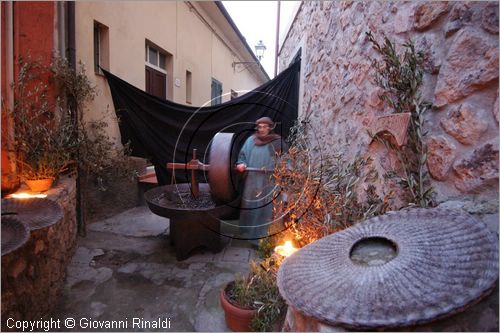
x,y
446,260
14,234
221,167
36,213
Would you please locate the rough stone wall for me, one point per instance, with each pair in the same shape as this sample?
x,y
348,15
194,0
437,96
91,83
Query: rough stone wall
x,y
461,39
480,317
33,275
121,193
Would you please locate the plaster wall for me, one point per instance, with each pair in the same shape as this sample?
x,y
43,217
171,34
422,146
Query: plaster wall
x,y
183,30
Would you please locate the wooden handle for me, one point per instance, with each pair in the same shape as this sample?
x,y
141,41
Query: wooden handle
x,y
252,169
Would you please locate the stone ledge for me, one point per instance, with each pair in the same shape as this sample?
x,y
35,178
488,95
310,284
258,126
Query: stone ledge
x,y
33,275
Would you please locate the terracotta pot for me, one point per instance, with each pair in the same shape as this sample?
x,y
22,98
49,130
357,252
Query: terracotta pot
x,y
39,185
237,319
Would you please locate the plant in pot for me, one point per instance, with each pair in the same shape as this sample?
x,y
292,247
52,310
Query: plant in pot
x,y
253,302
42,133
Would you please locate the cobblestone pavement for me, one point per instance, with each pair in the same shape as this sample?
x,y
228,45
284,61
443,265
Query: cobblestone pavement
x,y
124,272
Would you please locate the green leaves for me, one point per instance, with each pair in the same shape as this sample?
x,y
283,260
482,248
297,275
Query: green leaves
x,y
259,291
49,130
40,129
400,76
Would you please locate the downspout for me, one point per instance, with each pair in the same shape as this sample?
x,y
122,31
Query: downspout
x,y
71,53
9,52
71,35
61,29
9,98
16,52
277,39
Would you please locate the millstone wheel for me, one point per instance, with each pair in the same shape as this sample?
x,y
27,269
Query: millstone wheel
x,y
14,234
439,262
36,213
221,166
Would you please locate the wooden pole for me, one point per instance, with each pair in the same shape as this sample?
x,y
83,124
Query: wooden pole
x,y
195,190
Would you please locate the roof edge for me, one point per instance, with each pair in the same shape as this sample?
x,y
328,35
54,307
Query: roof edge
x,y
240,36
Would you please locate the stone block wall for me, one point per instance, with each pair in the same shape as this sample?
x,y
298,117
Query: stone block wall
x,y
34,274
480,317
120,194
461,39
339,95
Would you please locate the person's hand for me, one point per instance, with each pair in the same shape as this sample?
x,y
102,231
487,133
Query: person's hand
x,y
241,167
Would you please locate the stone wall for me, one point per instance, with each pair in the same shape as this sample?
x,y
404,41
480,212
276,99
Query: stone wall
x,y
480,317
343,102
33,275
115,195
461,39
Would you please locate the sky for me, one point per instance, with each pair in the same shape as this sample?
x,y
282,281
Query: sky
x,y
256,21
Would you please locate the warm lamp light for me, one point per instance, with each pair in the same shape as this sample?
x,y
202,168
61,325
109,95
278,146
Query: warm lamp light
x,y
24,195
285,250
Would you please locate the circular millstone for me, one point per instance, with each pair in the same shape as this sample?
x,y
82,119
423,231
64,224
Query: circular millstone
x,y
425,264
14,234
35,213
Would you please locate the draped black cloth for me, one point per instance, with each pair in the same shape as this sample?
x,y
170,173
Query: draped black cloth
x,y
163,131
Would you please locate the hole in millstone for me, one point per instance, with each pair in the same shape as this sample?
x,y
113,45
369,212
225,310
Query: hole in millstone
x,y
373,251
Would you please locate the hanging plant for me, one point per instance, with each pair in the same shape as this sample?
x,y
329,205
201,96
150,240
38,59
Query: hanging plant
x,y
400,76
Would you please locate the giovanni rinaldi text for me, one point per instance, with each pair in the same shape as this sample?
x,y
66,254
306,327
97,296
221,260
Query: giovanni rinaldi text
x,y
87,323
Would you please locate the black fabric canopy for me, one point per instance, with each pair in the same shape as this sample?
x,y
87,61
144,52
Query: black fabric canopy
x,y
163,131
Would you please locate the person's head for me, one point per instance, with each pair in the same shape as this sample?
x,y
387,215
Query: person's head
x,y
264,126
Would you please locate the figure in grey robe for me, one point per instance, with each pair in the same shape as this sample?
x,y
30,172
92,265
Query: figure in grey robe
x,y
259,151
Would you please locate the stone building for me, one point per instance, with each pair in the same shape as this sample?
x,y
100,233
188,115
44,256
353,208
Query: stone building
x,y
341,101
339,93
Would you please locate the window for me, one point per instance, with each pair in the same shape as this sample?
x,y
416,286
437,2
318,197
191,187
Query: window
x,y
155,57
234,94
157,67
216,92
189,87
101,47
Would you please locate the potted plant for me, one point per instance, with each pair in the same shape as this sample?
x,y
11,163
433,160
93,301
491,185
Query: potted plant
x,y
42,133
239,309
253,302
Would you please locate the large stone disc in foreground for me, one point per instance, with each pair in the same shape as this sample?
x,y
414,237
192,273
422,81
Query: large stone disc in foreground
x,y
443,261
35,213
14,234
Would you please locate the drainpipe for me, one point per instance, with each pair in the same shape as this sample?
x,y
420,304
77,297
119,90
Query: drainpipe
x,y
9,53
71,34
71,53
61,29
12,181
277,39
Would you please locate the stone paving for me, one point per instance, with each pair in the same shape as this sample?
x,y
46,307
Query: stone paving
x,y
125,268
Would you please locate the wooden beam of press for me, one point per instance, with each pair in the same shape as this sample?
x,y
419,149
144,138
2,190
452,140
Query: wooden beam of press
x,y
189,166
251,169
